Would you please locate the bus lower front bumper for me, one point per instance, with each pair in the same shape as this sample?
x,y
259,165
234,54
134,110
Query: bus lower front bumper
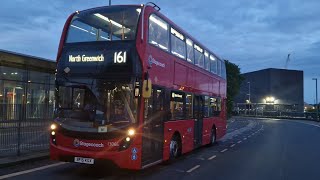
x,y
123,159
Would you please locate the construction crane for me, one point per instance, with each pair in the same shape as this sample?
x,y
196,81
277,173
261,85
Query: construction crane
x,y
287,62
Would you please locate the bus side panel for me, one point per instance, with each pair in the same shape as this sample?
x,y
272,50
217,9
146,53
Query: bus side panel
x,y
206,130
221,127
208,123
185,129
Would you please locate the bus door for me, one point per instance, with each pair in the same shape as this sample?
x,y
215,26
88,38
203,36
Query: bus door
x,y
198,122
152,140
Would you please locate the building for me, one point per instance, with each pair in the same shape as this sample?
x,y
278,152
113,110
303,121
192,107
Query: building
x,y
26,87
271,90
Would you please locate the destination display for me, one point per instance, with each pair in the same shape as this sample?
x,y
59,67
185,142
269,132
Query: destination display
x,y
84,58
107,60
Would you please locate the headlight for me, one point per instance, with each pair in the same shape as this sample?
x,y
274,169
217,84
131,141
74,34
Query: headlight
x,y
131,132
53,126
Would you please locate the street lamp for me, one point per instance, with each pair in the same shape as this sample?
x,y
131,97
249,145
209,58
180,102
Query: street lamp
x,y
249,94
317,97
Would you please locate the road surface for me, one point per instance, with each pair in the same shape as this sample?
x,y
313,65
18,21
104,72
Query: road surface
x,y
252,149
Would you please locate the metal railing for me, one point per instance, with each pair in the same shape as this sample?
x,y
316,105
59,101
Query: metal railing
x,y
276,114
24,128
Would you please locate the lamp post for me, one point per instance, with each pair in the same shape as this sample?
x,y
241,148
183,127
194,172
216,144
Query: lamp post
x,y
316,79
249,94
249,99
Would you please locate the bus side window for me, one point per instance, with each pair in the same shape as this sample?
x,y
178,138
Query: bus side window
x,y
177,103
206,106
178,45
198,55
215,106
213,64
190,52
189,106
158,32
219,68
206,61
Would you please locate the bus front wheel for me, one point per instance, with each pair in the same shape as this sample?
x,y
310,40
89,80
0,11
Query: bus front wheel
x,y
175,147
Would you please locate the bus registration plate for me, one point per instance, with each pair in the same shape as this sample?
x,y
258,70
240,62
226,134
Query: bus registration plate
x,y
84,160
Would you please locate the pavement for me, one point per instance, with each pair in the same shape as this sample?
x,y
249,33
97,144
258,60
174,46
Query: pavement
x,y
15,160
252,149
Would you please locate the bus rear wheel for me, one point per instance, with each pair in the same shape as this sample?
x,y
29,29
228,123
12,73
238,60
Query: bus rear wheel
x,y
175,147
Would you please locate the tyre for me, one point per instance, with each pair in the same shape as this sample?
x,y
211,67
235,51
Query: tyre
x,y
175,147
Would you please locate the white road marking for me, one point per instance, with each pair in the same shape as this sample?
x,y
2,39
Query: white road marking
x,y
179,170
239,142
244,138
232,145
31,170
194,168
212,157
224,150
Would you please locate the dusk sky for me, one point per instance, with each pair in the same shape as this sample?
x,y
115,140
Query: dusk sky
x,y
253,34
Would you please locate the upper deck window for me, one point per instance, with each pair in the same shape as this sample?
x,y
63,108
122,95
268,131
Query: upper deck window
x,y
219,68
158,32
213,64
198,54
190,52
206,61
104,24
178,44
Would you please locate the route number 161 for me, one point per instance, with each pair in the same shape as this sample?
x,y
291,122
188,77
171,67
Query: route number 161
x,y
120,58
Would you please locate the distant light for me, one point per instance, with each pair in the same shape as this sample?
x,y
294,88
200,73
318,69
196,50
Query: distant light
x,y
53,133
4,73
272,99
29,81
128,139
15,73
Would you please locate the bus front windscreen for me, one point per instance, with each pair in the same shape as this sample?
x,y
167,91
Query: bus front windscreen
x,y
114,106
104,24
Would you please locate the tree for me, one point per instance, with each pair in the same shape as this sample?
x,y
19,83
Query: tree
x,y
234,80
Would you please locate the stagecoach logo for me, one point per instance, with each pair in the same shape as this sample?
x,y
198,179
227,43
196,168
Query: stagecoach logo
x,y
84,58
151,61
78,143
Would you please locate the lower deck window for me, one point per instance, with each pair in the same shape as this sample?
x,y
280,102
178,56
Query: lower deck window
x,y
177,105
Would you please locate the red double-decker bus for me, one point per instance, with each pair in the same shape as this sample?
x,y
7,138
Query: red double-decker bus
x,y
134,89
